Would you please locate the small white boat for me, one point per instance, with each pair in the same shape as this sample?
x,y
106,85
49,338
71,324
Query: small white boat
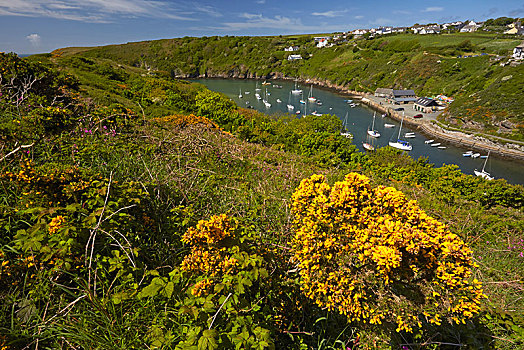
x,y
297,112
302,101
401,144
296,90
372,132
429,141
352,105
435,144
315,113
483,157
483,173
319,103
368,146
257,95
441,147
311,98
409,135
384,115
386,125
267,104
240,94
246,92
467,154
279,100
346,133
475,155
290,107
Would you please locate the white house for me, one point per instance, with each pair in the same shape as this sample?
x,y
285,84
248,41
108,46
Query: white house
x,y
471,26
518,52
294,57
291,48
359,31
322,43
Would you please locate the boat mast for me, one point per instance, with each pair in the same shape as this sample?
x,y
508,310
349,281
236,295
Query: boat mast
x,y
485,162
400,129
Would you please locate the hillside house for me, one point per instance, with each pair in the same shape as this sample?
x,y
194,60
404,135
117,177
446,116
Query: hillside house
x,y
518,52
470,27
430,30
291,48
322,43
514,29
294,57
425,105
396,96
457,25
359,32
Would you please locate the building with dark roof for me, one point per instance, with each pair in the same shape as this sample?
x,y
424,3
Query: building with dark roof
x,y
425,105
396,96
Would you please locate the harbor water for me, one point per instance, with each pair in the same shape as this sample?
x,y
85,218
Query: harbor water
x,y
359,119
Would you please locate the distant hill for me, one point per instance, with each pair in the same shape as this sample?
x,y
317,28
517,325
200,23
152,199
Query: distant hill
x,y
467,66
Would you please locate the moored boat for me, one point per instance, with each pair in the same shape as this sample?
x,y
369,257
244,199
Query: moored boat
x,y
429,141
386,125
435,144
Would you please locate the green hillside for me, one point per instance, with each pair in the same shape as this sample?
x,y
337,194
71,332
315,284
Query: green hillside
x,y
139,211
486,93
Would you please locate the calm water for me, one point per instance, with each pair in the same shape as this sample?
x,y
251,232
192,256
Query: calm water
x,y
359,119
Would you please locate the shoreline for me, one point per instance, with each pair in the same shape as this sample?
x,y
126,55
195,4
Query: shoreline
x,y
457,138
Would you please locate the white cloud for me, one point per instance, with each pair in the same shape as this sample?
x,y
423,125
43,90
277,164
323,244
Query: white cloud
x,y
330,13
34,39
91,10
433,9
382,22
262,2
280,23
208,10
359,17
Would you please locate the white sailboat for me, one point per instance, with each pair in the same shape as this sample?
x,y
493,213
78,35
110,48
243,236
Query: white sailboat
x,y
266,103
240,94
311,98
345,131
483,173
401,144
289,105
296,90
372,132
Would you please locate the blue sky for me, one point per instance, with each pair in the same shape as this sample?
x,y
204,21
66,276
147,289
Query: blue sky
x,y
31,26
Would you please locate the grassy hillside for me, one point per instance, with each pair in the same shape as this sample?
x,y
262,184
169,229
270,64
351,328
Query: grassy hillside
x,y
486,93
138,211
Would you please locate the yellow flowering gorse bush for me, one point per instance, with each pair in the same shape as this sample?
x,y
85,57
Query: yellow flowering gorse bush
x,y
377,257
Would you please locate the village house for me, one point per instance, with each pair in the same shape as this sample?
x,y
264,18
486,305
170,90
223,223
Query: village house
x,y
471,26
396,96
322,43
294,57
453,25
515,29
518,52
425,105
359,32
291,48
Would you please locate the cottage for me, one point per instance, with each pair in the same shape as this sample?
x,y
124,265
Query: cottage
x,y
518,52
291,48
383,92
472,26
294,57
425,105
322,43
401,97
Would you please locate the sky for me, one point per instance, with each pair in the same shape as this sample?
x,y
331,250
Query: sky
x,y
36,26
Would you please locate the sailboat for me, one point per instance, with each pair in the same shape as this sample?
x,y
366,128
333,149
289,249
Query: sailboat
x,y
296,90
372,132
311,98
483,173
346,133
240,94
289,105
401,144
266,103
